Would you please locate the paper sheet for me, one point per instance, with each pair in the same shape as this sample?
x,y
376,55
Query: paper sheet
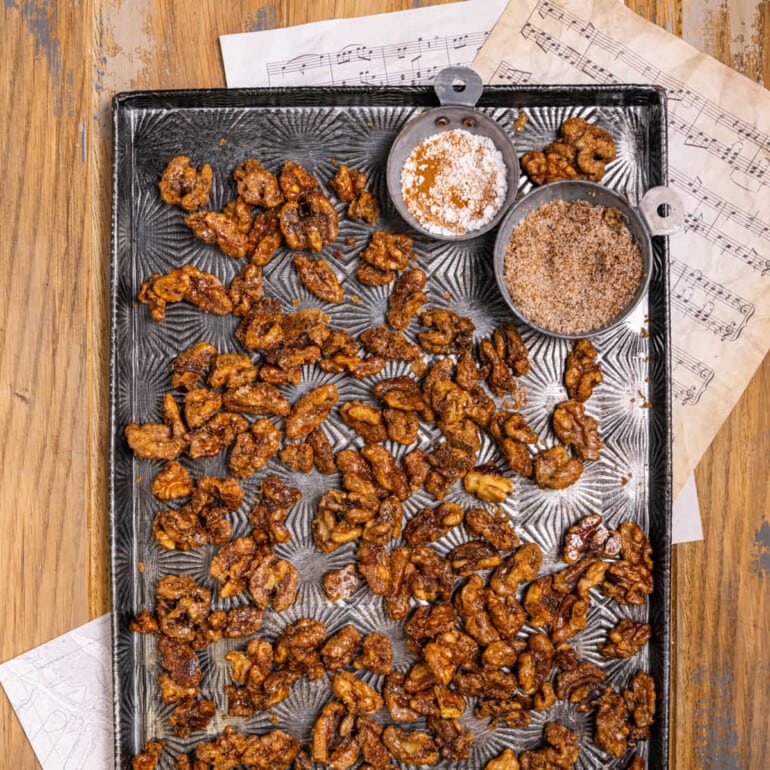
x,y
62,695
719,162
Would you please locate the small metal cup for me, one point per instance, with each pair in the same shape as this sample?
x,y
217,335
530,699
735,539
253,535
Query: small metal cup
x,y
458,89
660,212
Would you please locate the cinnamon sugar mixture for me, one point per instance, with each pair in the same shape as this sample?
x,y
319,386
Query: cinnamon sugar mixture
x,y
572,267
454,182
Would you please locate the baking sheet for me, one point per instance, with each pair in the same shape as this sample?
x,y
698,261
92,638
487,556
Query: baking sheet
x,y
631,481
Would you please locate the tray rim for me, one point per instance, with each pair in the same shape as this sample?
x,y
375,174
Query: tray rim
x,y
186,98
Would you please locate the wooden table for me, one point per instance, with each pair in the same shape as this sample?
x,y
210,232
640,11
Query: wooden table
x,y
60,64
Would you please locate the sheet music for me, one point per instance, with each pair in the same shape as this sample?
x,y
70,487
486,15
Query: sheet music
x,y
397,49
719,162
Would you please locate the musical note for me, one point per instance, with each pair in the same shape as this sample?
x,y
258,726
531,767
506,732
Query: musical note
x,y
689,377
510,74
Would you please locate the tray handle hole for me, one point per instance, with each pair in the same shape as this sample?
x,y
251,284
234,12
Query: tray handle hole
x,y
442,121
469,122
458,86
663,210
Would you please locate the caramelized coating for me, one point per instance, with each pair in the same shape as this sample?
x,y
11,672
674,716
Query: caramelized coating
x,y
298,647
228,228
590,536
389,476
406,298
412,747
535,663
310,223
579,682
397,698
365,420
148,759
341,648
341,583
200,405
499,378
265,235
493,525
452,740
260,328
446,332
640,702
332,742
611,733
375,565
635,548
357,695
219,432
180,661
560,753
347,183
256,185
297,457
470,604
295,181
330,527
256,398
473,556
582,372
510,347
143,623
416,467
388,251
323,453
245,289
400,393
392,346
555,469
428,525
274,751
577,429
447,652
627,583
487,485
198,287
505,761
311,410
543,168
154,441
403,427
188,367
365,206
319,279
253,449
231,370
191,716
272,581
172,482
184,185
626,639
369,275
243,621
182,606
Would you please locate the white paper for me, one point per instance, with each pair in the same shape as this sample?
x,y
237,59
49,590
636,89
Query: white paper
x,y
62,695
396,49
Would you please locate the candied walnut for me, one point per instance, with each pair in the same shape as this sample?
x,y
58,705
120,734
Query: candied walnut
x,y
179,530
412,747
403,427
582,372
188,367
521,567
543,168
463,434
306,327
594,147
369,275
376,654
297,457
323,454
397,590
499,378
180,661
448,401
340,583
243,621
231,566
611,734
231,370
310,223
252,450
490,683
428,525
535,663
505,761
192,716
493,525
512,434
143,623
182,606
347,183
386,471
296,181
468,372
332,742
635,548
365,420
473,556
172,482
356,366
268,515
510,347
364,206
428,622
447,652
390,345
433,576
397,699
640,701
256,398
452,740
272,581
358,697
318,278
570,618
577,429
637,763
386,524
200,405
589,535
256,185
220,431
480,407
627,583
311,410
387,251
545,698
505,612
579,682
513,712
184,185
358,477
341,648
330,527
561,753
450,461
148,759
246,289
375,565
265,236
261,328
555,469
446,332
298,647
469,601
416,467
373,750
288,360
626,639
502,654
154,441
198,287
402,393
487,485
406,298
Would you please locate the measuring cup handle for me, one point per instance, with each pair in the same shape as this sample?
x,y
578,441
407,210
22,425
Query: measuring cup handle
x,y
458,85
662,211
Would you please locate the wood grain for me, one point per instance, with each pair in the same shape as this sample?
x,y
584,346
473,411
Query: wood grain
x,y
60,64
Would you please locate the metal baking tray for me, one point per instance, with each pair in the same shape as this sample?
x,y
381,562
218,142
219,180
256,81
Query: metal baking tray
x,y
631,481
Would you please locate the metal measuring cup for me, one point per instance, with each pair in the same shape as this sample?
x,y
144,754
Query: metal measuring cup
x,y
458,90
660,212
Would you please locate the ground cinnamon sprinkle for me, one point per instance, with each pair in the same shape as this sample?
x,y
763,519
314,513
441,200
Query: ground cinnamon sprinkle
x,y
572,267
454,182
